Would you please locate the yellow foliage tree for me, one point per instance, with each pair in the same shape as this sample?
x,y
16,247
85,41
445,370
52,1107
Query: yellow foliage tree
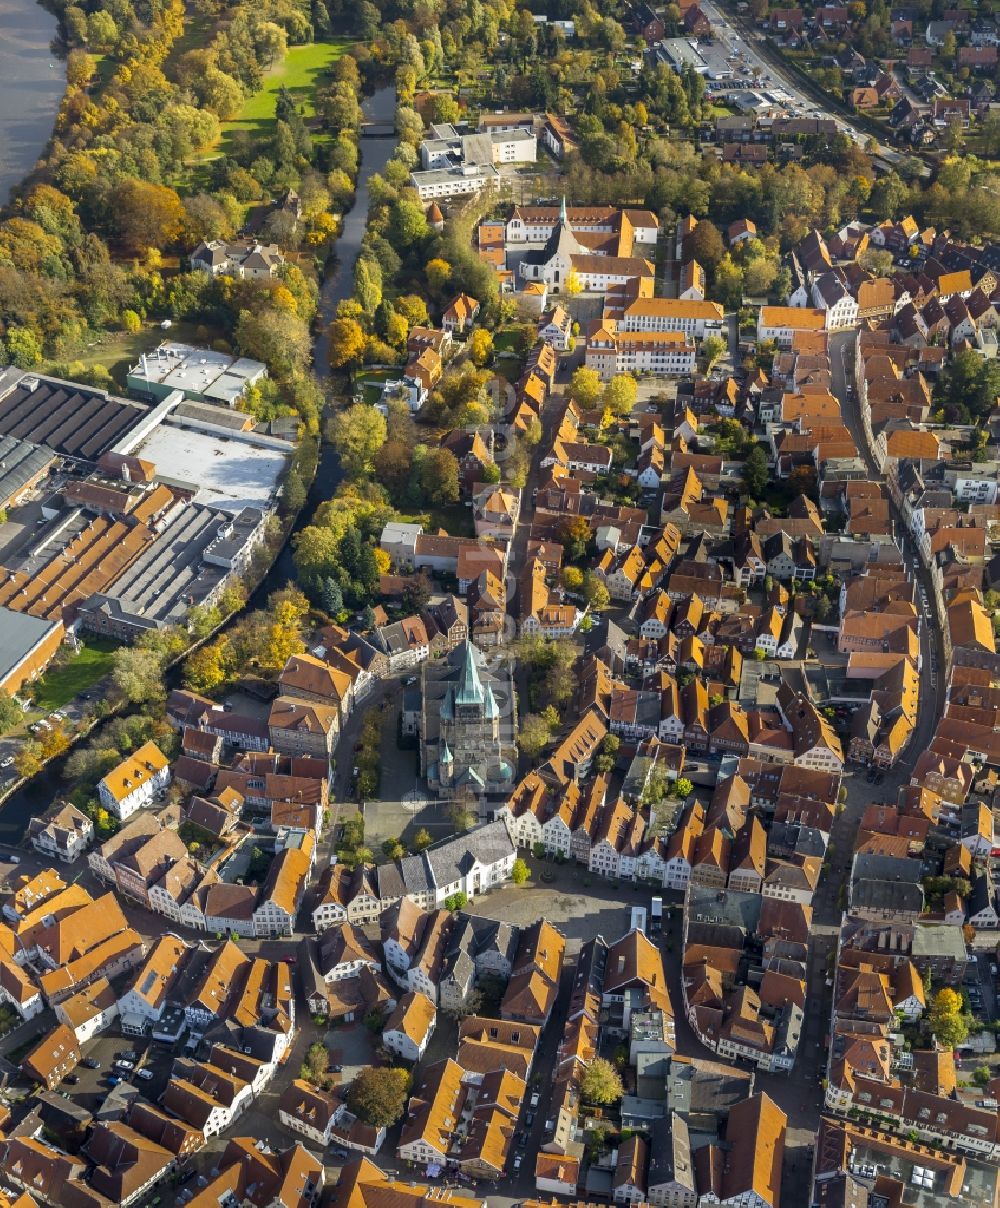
x,y
205,669
438,274
481,347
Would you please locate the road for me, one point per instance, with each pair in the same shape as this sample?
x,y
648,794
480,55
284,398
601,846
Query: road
x,y
764,62
931,684
735,31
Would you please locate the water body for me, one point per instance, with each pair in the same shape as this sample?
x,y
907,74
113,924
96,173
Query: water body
x,y
32,82
338,284
380,112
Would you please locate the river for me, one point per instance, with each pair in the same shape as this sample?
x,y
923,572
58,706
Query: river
x,y
338,284
32,82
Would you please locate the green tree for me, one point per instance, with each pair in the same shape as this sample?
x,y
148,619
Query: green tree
x,y
421,840
756,472
594,592
712,348
533,734
519,872
456,901
137,674
10,713
601,1083
683,788
358,434
316,1066
378,1095
607,754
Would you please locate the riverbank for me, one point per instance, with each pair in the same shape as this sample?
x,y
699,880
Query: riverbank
x,y
32,83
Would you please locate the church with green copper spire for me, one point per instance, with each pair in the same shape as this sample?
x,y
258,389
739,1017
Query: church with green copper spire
x,y
467,724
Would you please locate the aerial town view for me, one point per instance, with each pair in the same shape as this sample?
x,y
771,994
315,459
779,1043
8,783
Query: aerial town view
x,y
499,604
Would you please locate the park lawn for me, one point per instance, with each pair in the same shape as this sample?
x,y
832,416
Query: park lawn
x,y
301,71
59,685
118,351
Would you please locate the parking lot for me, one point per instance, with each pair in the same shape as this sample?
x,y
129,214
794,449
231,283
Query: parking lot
x,y
151,1063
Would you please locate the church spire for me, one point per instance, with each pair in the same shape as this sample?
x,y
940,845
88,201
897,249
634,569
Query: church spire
x,y
470,687
562,211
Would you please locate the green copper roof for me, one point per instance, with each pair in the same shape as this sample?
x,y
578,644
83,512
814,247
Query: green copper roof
x,y
470,688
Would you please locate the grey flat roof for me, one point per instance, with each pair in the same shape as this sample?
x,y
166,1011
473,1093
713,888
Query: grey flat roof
x,y
229,473
19,635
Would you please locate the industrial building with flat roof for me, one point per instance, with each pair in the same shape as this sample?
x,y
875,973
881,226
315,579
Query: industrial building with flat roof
x,y
231,471
72,420
200,374
194,555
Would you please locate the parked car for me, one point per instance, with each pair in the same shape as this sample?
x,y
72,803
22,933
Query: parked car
x,y
90,1063
145,1075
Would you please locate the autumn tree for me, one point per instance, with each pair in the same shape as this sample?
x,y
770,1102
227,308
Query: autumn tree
x,y
438,273
601,1083
147,215
206,668
574,535
949,1026
620,394
347,343
28,760
585,387
705,245
481,347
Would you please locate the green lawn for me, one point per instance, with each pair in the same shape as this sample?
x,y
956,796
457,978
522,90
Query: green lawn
x,y
300,72
454,518
505,341
370,382
59,685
